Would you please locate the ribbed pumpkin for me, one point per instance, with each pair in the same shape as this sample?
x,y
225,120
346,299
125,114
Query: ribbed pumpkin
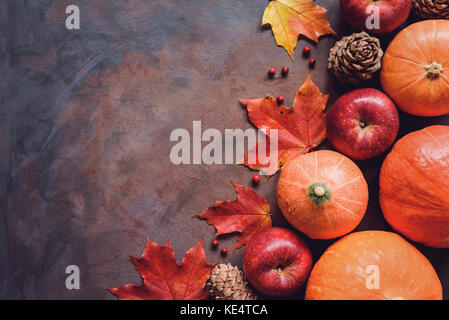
x,y
415,68
323,194
414,180
373,265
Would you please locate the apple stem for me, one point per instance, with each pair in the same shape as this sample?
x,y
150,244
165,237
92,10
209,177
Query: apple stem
x,y
362,124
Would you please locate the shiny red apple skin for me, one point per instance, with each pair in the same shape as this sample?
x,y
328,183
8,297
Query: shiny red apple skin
x,y
345,119
273,248
393,13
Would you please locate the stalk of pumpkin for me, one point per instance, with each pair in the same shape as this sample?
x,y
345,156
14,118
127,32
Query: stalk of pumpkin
x,y
319,193
434,70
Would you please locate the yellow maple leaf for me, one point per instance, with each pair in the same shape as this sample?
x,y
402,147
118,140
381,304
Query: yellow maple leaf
x,y
291,18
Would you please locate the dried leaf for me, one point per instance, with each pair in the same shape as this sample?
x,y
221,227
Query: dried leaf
x,y
299,129
164,279
246,215
291,18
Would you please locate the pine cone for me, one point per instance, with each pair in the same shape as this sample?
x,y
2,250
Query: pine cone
x,y
356,58
229,283
431,9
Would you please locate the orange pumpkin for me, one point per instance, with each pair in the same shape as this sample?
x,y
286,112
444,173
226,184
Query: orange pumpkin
x,y
373,265
322,194
413,186
415,68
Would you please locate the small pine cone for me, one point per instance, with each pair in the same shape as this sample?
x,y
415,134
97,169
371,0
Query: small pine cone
x,y
356,58
431,9
227,282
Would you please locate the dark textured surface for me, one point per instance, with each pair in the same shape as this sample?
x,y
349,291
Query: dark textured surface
x,y
85,120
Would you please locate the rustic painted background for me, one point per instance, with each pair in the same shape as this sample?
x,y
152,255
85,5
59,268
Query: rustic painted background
x,y
85,120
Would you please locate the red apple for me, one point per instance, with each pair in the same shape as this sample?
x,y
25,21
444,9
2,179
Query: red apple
x,y
277,262
362,124
375,16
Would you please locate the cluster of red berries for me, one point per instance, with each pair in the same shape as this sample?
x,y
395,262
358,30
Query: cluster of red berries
x,y
215,244
307,52
285,70
272,72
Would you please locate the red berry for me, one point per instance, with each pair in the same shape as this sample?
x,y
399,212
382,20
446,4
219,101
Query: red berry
x,y
256,178
215,243
307,50
312,62
280,100
285,70
224,251
271,72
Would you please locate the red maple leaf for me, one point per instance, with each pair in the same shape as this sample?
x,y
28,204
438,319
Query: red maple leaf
x,y
246,215
164,278
299,129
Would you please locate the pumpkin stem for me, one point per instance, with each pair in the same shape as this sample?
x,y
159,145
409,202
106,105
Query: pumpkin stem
x,y
319,193
433,70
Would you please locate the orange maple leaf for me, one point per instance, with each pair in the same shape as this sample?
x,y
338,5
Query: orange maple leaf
x,y
299,129
291,18
246,215
164,279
